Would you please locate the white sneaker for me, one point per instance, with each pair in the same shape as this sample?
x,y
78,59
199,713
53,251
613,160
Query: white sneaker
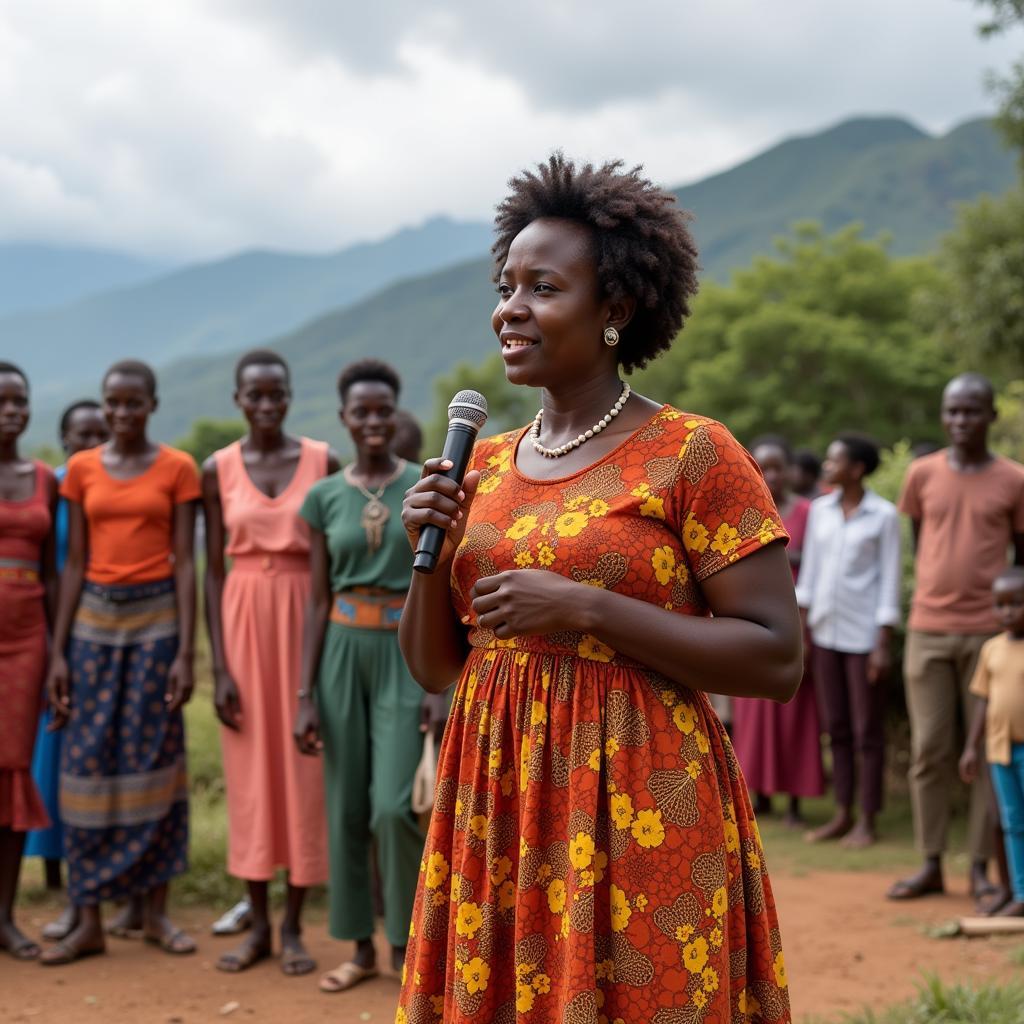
x,y
236,920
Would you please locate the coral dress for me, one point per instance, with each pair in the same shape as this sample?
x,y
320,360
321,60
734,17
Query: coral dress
x,y
24,526
275,795
592,854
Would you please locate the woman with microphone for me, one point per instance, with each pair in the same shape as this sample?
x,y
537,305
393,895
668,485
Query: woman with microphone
x,y
593,853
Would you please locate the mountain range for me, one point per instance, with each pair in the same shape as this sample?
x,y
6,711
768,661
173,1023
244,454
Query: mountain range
x,y
419,300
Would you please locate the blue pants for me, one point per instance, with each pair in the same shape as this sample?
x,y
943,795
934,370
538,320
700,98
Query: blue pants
x,y
1008,780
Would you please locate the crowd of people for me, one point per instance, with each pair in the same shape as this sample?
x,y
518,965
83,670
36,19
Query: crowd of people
x,y
592,852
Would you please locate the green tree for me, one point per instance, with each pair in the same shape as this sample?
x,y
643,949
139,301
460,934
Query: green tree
x,y
1008,88
826,335
208,435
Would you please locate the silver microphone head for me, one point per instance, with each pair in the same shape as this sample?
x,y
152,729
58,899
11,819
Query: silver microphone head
x,y
468,408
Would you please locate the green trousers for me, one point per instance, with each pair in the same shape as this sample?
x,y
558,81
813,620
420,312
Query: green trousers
x,y
369,721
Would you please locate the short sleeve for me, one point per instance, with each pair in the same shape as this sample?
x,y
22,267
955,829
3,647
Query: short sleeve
x,y
186,480
312,510
726,509
980,680
909,502
72,484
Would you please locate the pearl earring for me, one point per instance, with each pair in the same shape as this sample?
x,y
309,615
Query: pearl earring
x,y
611,337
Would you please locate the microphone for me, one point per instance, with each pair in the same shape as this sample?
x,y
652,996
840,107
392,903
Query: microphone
x,y
467,413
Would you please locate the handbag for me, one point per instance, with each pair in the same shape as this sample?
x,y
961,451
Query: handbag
x,y
425,780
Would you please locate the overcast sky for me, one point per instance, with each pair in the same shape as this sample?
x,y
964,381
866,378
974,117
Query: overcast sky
x,y
197,127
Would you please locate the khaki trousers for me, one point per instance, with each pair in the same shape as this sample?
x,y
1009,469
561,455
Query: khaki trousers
x,y
937,671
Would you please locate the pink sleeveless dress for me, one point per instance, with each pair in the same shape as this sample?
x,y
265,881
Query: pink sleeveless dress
x,y
275,795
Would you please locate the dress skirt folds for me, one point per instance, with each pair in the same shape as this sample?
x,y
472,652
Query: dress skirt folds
x,y
124,796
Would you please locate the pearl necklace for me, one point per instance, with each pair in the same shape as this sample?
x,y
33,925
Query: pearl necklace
x,y
554,453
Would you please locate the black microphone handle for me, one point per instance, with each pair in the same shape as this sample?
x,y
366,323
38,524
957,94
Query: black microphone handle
x,y
458,446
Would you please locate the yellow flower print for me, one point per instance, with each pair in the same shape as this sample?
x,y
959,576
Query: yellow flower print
x,y
693,769
620,909
715,937
732,837
542,984
564,930
710,978
747,1003
456,887
543,872
487,486
507,781
600,863
753,860
524,997
653,507
581,851
469,920
522,527
524,764
538,713
437,870
475,975
668,415
400,1017
685,717
525,970
622,810
720,902
524,559
524,847
502,461
699,999
478,826
578,502
767,532
494,759
485,720
507,895
412,929
570,524
684,932
437,1005
727,539
779,967
702,742
695,955
439,899
682,574
500,869
641,490
640,902
648,830
594,761
545,555
586,878
695,535
459,805
556,896
593,650
611,746
664,563
598,508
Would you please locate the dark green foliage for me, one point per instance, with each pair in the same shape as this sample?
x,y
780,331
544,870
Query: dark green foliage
x,y
207,436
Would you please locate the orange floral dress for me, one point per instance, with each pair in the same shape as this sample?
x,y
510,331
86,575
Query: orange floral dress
x,y
592,855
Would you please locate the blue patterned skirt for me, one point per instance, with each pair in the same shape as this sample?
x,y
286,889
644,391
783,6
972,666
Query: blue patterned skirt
x,y
123,785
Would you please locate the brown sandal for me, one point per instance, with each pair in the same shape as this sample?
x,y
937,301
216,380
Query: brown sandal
x,y
65,952
345,977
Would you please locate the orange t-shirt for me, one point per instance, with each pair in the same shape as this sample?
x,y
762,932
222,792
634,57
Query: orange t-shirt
x,y
130,522
967,525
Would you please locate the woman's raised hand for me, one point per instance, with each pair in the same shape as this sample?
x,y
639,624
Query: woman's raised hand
x,y
436,500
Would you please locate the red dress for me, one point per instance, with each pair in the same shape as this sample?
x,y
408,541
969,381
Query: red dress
x,y
592,854
779,745
24,526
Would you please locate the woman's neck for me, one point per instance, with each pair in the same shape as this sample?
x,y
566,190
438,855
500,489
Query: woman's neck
x,y
130,446
372,465
570,411
9,451
853,494
266,441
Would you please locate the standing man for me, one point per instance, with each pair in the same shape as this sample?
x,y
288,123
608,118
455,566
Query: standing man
x,y
966,506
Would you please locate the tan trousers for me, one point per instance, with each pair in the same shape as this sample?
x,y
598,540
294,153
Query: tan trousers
x,y
937,671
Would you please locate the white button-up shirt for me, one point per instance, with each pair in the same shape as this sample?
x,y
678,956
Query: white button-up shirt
x,y
850,572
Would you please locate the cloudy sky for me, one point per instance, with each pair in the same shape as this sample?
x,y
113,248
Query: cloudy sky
x,y
197,127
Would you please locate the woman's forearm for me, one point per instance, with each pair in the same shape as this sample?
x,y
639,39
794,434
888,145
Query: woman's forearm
x,y
432,640
185,599
314,630
67,602
213,590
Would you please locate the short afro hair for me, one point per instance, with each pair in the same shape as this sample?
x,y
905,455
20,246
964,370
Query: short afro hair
x,y
16,370
773,441
134,368
260,357
368,370
69,412
862,449
641,242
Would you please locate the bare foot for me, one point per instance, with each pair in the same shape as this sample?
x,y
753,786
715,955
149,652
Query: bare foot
x,y
86,940
860,837
834,829
1015,908
250,951
17,943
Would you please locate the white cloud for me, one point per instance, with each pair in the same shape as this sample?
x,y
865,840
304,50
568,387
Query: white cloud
x,y
198,127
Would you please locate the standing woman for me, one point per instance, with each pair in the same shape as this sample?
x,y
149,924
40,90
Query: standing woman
x,y
779,745
252,490
127,605
592,853
82,427
356,692
28,496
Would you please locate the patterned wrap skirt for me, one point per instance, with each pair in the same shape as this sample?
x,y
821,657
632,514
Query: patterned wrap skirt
x,y
123,786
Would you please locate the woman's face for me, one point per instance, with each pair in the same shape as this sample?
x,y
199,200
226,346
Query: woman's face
x,y
838,469
551,316
775,467
127,405
264,395
369,415
86,429
14,410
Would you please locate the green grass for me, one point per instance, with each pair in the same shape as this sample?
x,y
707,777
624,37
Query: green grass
x,y
937,1003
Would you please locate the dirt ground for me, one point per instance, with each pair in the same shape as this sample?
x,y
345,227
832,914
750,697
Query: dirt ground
x,y
846,947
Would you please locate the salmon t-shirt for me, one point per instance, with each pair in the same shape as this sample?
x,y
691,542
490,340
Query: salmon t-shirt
x,y
967,525
999,678
130,522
